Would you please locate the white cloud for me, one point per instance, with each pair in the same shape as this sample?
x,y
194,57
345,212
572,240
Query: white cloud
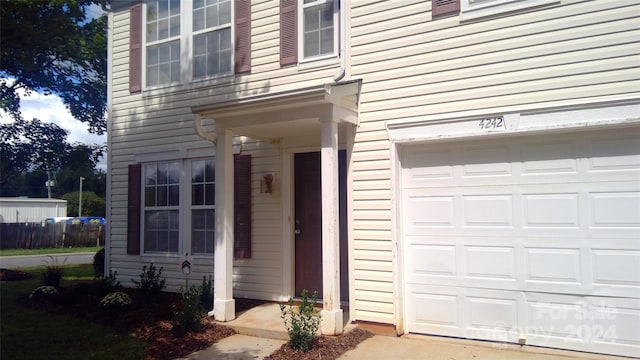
x,y
51,109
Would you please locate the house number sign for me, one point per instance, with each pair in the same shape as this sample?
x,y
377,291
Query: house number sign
x,y
492,123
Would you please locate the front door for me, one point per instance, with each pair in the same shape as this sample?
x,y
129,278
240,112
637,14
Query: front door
x,y
308,224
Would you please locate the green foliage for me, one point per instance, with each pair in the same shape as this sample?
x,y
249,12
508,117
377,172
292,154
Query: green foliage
x,y
92,204
188,317
52,274
151,281
98,263
43,292
108,283
206,289
302,321
53,47
115,300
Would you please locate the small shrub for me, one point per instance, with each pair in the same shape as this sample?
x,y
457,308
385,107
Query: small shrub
x,y
98,264
115,300
302,321
43,292
206,296
151,281
52,275
189,316
108,283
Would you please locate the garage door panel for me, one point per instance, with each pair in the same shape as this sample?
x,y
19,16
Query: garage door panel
x,y
543,233
620,209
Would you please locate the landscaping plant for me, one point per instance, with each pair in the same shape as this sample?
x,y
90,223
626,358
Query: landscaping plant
x,y
98,263
302,321
206,297
53,273
151,281
188,317
115,300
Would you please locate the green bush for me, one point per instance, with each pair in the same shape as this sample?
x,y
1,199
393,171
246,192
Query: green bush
x,y
115,300
52,275
98,263
43,292
188,317
108,283
151,281
302,321
206,296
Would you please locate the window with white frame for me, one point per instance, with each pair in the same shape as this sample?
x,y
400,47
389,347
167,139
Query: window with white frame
x,y
187,40
162,207
164,228
319,24
479,8
202,206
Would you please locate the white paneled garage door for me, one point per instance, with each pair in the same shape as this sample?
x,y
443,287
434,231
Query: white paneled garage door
x,y
532,239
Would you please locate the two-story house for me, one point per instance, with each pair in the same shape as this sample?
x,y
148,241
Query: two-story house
x,y
465,168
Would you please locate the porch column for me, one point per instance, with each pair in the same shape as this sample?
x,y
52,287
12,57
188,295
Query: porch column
x,y
331,312
224,308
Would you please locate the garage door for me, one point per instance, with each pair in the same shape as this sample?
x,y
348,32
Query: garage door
x,y
526,239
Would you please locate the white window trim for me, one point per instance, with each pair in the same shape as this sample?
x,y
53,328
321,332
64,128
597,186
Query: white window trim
x,y
186,48
469,11
184,210
336,33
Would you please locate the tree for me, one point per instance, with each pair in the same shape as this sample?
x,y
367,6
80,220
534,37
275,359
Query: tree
x,y
51,47
92,204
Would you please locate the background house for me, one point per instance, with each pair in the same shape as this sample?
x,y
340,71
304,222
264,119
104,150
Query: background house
x,y
459,168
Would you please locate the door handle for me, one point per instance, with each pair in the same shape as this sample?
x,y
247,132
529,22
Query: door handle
x,y
296,231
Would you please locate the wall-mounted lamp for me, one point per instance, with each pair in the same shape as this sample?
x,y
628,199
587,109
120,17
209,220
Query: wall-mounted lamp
x,y
267,183
238,141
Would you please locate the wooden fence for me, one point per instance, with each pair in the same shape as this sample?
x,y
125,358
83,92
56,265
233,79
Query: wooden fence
x,y
49,235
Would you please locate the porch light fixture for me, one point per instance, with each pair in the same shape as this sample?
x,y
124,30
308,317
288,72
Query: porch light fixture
x,y
267,182
238,141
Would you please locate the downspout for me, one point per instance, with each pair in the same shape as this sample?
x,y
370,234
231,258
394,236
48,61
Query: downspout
x,y
197,125
337,77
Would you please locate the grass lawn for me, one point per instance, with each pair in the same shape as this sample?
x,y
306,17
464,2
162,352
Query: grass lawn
x,y
16,252
28,333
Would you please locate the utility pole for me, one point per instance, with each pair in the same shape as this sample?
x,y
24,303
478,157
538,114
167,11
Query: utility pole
x,y
80,198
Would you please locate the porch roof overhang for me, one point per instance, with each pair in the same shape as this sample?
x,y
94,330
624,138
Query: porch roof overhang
x,y
288,113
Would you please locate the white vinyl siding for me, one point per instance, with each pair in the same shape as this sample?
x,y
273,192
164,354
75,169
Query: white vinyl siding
x,y
415,68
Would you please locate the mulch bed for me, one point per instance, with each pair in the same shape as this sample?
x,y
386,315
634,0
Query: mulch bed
x,y
151,321
13,275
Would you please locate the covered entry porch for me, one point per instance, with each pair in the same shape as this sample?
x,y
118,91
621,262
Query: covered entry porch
x,y
305,120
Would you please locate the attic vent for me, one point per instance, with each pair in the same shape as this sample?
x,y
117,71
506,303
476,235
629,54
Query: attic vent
x,y
441,7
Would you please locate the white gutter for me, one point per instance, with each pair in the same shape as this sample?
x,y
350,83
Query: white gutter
x,y
342,55
197,125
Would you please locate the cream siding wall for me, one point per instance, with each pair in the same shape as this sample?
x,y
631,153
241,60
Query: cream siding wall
x,y
568,54
161,121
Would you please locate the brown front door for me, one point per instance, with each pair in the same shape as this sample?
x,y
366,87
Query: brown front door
x,y
308,224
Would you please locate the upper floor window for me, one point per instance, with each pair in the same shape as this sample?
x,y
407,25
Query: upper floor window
x,y
175,42
212,50
319,31
309,30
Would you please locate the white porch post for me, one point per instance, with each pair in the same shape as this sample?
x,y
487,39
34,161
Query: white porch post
x,y
331,312
224,308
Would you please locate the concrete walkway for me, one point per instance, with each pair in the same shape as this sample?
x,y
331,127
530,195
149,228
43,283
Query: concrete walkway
x,y
261,331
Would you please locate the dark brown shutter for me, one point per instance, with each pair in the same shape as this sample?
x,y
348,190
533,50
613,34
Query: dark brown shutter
x,y
440,7
242,211
135,48
288,32
133,214
243,36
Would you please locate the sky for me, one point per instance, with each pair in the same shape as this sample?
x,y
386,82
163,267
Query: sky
x,y
51,109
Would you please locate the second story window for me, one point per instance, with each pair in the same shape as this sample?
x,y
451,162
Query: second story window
x,y
163,42
318,28
212,50
176,42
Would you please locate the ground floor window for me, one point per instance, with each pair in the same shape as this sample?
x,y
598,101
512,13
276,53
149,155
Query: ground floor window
x,y
170,224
